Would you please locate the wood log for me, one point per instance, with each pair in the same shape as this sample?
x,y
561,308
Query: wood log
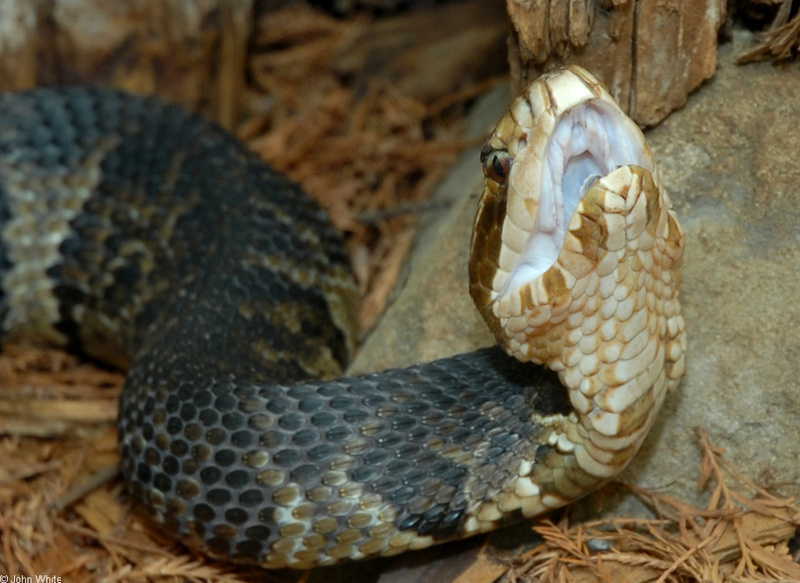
x,y
650,53
193,53
432,51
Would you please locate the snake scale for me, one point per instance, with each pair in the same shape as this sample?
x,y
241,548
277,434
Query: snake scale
x,y
150,239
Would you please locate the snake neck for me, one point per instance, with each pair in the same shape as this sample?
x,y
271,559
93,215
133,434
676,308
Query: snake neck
x,y
606,317
615,332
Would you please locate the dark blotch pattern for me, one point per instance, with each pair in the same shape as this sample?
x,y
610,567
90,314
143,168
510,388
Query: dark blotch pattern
x,y
401,459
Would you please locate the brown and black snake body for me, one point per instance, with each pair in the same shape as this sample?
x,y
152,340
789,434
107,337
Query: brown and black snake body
x,y
151,239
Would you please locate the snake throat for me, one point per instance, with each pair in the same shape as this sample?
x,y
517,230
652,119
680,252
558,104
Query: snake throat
x,y
151,239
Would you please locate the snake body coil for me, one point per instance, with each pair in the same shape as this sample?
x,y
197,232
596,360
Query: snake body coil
x,y
152,240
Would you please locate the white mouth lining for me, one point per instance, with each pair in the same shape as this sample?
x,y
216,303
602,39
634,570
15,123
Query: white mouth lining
x,y
588,142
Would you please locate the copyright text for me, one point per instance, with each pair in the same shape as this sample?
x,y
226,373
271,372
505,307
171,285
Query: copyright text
x,y
26,579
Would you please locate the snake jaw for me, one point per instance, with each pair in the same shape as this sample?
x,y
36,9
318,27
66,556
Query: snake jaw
x,y
582,136
563,131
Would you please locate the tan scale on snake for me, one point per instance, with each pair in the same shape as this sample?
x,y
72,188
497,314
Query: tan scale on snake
x,y
151,239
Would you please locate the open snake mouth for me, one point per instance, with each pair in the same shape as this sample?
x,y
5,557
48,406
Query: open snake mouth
x,y
589,141
575,265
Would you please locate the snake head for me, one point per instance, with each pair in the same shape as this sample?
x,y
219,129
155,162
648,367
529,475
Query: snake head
x,y
557,139
575,264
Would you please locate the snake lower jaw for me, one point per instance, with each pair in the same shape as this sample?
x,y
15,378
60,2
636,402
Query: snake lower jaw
x,y
606,317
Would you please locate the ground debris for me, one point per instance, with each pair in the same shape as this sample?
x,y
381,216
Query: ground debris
x,y
358,144
742,535
780,41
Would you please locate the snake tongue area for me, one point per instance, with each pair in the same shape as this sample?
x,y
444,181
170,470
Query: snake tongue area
x,y
151,239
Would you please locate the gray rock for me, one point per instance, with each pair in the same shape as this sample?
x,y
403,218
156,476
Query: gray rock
x,y
731,162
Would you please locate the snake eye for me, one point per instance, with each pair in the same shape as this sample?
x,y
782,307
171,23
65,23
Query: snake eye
x,y
496,165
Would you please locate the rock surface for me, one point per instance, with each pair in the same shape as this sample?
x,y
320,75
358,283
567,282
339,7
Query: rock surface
x,y
730,162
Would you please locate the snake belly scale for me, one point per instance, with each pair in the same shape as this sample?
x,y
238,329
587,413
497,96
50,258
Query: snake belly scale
x,y
150,239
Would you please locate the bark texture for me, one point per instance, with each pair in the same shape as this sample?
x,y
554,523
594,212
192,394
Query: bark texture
x,y
650,53
193,52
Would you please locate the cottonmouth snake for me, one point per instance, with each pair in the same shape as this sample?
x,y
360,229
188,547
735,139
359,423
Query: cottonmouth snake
x,y
151,239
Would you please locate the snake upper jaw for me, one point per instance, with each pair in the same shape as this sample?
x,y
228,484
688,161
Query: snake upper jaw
x,y
557,138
